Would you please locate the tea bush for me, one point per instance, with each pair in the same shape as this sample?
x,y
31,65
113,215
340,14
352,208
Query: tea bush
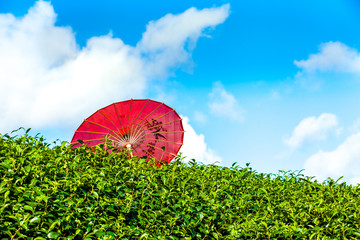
x,y
63,193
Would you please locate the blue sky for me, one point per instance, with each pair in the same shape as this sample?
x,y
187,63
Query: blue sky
x,y
273,83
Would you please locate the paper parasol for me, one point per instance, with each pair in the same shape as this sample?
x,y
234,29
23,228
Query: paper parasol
x,y
149,128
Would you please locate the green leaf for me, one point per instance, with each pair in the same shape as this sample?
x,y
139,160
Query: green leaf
x,y
29,208
35,220
27,168
96,194
77,231
138,199
100,234
6,194
53,235
52,226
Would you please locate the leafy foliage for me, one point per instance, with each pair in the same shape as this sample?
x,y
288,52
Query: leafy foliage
x,y
64,193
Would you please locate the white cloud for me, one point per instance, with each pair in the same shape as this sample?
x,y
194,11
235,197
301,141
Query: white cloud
x,y
48,80
343,161
224,104
312,128
333,56
195,147
169,40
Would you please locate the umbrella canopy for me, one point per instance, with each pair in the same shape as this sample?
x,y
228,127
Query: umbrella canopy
x,y
148,127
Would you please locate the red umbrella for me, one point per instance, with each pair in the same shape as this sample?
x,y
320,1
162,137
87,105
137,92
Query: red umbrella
x,y
149,128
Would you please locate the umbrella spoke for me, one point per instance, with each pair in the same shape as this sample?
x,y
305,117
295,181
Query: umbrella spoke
x,y
138,134
136,126
92,132
137,154
146,151
142,109
172,110
118,138
160,140
109,120
151,113
117,113
160,149
162,124
100,126
94,139
162,133
127,122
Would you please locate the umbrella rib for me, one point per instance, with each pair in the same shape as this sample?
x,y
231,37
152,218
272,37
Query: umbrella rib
x,y
165,123
146,151
99,125
164,132
120,144
160,140
151,113
161,125
136,152
109,120
74,144
136,125
94,139
159,149
127,122
91,132
118,138
162,155
172,110
131,129
139,132
117,113
132,136
139,113
97,139
136,136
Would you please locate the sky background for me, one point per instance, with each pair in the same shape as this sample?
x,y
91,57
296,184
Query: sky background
x,y
272,83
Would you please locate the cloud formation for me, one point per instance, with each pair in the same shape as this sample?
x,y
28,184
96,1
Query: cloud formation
x,y
195,146
168,42
224,104
332,56
48,80
312,129
343,161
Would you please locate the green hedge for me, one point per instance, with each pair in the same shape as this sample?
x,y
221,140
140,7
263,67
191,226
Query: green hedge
x,y
64,193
